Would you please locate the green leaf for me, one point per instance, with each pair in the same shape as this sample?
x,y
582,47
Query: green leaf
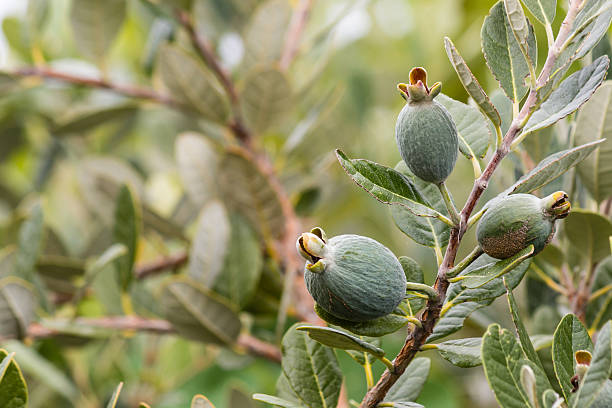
x,y
551,167
570,336
361,357
413,273
246,189
385,184
265,33
550,397
338,339
87,121
520,26
591,23
371,328
404,404
17,307
13,388
472,128
197,162
198,314
599,310
598,372
239,399
453,319
200,401
423,230
276,401
95,24
409,385
594,123
503,53
463,353
588,234
574,91
476,278
209,246
525,341
29,243
126,232
604,398
503,359
470,83
243,263
311,370
112,403
543,10
43,371
266,96
190,84
97,267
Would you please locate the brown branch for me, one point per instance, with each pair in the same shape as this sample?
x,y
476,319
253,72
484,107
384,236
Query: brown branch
x,y
249,343
431,314
126,90
294,33
162,264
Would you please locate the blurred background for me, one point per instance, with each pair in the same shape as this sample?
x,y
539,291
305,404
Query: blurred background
x,y
58,140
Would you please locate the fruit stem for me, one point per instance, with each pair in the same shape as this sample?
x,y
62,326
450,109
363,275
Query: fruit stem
x,y
450,206
474,218
368,371
421,287
388,363
476,166
467,261
499,135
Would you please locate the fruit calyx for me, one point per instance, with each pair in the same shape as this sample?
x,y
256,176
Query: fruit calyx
x,y
557,205
417,90
312,247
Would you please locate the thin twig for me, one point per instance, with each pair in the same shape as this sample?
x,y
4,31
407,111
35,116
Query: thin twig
x,y
431,313
171,262
294,33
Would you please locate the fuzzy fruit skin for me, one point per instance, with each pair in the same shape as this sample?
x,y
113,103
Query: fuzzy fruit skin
x,y
513,223
427,140
362,280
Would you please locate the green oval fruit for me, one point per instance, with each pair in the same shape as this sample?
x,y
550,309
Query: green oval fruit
x,y
351,277
425,132
512,223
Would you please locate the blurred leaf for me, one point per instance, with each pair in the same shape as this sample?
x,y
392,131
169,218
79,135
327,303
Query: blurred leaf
x,y
588,234
98,266
266,96
190,83
276,401
16,36
503,53
311,369
463,353
60,272
38,367
265,34
197,162
243,261
209,246
598,372
413,273
404,404
574,91
504,107
200,401
95,25
569,337
551,167
112,403
472,128
239,399
84,122
423,230
470,83
13,388
543,10
338,339
198,314
599,310
595,123
603,47
29,243
525,341
246,189
503,359
126,232
604,398
385,184
476,278
143,405
17,307
371,328
591,23
538,145
409,385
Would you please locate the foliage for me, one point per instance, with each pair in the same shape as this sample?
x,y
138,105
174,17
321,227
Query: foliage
x,y
159,159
